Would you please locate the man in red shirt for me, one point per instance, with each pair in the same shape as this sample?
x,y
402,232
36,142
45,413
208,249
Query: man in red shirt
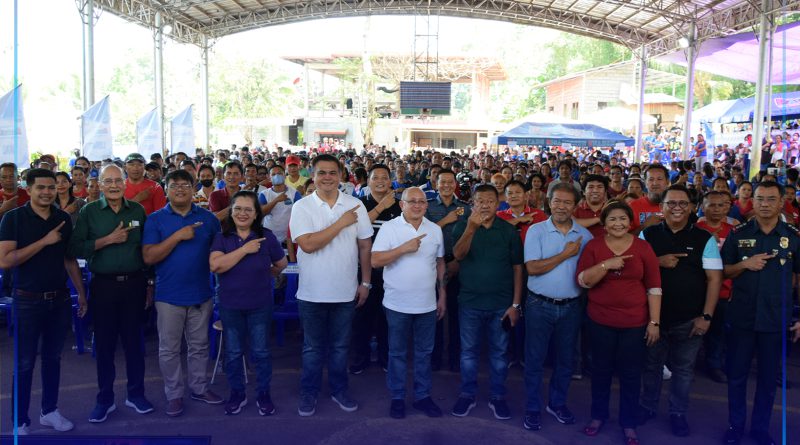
x,y
716,206
647,209
519,214
140,189
587,213
615,186
219,199
13,196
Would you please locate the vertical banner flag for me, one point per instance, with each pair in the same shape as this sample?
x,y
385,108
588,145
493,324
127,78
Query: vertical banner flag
x,y
13,139
96,131
148,134
709,133
182,132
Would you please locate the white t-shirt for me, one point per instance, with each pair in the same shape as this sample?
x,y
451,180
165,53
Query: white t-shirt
x,y
278,219
329,275
409,282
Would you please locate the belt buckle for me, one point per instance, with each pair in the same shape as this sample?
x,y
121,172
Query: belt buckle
x,y
121,278
47,296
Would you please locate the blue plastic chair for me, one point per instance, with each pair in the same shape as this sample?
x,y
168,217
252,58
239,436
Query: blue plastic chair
x,y
288,310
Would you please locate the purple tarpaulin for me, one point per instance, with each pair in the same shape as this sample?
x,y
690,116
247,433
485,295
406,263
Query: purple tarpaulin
x,y
736,56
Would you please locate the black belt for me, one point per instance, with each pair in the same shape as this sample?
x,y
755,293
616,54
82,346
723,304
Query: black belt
x,y
51,295
555,301
119,277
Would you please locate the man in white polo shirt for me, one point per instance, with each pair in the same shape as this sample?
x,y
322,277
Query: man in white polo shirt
x,y
411,250
334,233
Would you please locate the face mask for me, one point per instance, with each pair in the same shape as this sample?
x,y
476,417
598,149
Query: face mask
x,y
278,179
206,182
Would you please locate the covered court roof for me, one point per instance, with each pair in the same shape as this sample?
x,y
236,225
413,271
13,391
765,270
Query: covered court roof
x,y
633,23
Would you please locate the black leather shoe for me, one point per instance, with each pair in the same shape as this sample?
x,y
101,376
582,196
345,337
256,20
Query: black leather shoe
x,y
733,436
679,425
428,406
717,375
762,437
397,410
644,415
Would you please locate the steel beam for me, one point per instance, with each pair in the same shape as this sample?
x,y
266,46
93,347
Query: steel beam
x,y
204,99
763,62
158,66
691,57
640,108
87,13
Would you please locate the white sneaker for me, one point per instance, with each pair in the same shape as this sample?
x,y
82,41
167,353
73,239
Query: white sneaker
x,y
666,374
56,420
23,430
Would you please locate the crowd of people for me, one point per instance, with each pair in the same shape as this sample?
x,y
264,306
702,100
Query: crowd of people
x,y
610,267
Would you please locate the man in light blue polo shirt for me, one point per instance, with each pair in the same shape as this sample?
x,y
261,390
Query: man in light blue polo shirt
x,y
177,240
553,308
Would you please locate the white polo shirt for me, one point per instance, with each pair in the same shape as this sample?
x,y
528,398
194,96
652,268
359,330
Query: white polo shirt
x,y
409,282
329,275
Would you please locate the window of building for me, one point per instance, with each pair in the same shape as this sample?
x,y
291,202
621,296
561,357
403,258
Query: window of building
x,y
449,143
574,112
602,105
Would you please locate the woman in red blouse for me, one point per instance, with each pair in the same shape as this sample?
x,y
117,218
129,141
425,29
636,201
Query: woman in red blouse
x,y
624,282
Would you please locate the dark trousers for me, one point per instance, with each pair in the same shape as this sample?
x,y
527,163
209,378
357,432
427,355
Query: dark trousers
x,y
742,346
714,340
39,324
369,320
453,332
118,313
620,351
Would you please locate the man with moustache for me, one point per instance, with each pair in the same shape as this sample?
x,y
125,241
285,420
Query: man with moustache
x,y
108,235
33,247
647,209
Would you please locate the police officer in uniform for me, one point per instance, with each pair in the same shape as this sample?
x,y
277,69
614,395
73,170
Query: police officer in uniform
x,y
761,256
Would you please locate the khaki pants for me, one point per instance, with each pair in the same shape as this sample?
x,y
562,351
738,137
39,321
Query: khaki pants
x,y
190,322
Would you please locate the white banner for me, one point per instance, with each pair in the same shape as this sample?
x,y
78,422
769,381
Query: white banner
x,y
181,132
96,131
13,138
148,134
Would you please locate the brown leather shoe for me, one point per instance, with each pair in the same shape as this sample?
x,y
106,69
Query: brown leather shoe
x,y
209,397
175,407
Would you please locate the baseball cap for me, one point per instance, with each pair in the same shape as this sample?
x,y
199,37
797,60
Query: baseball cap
x,y
135,157
292,160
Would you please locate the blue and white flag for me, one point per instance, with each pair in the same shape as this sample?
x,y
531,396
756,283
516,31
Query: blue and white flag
x,y
96,131
709,136
13,139
149,137
182,132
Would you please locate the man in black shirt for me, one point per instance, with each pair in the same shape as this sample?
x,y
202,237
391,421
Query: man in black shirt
x,y
370,319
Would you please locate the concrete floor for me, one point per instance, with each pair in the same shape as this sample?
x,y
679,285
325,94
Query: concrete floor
x,y
371,423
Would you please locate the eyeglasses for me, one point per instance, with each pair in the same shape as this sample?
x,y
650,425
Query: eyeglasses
x,y
108,181
180,186
245,210
415,202
674,204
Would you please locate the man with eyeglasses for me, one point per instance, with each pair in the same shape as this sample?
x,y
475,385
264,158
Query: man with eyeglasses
x,y
174,238
489,252
108,234
761,257
553,308
411,246
691,276
139,189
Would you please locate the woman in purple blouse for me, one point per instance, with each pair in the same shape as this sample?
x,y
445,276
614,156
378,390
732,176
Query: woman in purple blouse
x,y
243,256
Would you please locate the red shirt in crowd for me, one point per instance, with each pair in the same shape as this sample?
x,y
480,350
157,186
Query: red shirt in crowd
x,y
536,214
156,201
219,199
643,209
22,196
720,234
620,299
583,211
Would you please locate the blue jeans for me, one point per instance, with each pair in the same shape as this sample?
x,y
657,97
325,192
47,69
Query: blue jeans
x,y
326,333
241,327
714,340
401,326
542,321
473,324
742,346
620,351
677,348
39,323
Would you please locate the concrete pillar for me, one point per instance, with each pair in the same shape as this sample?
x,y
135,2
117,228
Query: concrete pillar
x,y
640,107
158,65
87,15
688,105
204,110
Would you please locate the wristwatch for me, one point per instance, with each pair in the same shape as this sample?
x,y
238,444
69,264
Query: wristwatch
x,y
517,306
707,317
367,285
151,282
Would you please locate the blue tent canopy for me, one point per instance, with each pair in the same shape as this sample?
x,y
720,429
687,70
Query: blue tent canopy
x,y
783,105
579,135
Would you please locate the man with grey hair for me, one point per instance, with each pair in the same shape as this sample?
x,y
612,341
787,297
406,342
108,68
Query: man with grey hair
x,y
108,234
411,246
